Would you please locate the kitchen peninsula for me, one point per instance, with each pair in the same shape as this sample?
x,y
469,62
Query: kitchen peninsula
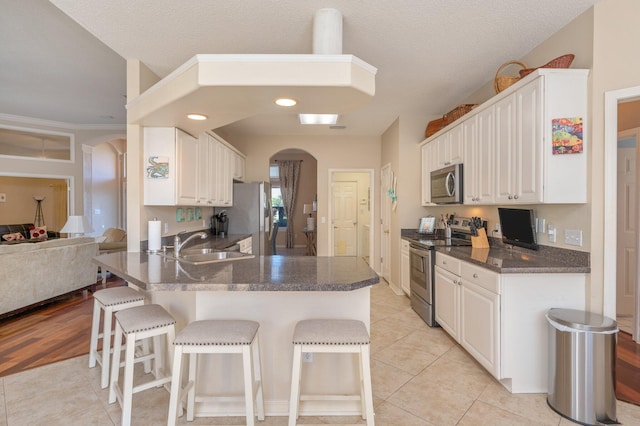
x,y
277,292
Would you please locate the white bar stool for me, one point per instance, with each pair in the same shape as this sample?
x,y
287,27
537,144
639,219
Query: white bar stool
x,y
331,336
217,337
108,301
137,323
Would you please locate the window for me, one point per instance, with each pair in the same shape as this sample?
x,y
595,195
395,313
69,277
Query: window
x,y
36,144
276,197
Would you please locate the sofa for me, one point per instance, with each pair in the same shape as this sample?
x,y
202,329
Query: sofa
x,y
24,229
33,272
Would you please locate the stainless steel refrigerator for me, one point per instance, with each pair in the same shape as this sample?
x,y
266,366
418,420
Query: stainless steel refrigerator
x,y
251,214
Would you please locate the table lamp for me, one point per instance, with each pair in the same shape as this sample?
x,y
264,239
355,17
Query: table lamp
x,y
308,209
76,226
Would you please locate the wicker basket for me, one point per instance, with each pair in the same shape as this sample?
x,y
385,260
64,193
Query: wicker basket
x,y
501,82
563,61
434,126
457,112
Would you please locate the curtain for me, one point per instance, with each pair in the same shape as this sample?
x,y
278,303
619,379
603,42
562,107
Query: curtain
x,y
289,171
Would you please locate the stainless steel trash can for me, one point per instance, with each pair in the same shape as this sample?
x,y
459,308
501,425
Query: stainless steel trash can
x,y
582,359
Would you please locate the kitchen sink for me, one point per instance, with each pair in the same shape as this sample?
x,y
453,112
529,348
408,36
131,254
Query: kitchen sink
x,y
207,255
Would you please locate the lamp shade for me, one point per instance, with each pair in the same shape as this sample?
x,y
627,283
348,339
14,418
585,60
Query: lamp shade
x,y
76,225
307,209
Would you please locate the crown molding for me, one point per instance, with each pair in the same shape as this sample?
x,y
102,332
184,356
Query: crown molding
x,y
60,125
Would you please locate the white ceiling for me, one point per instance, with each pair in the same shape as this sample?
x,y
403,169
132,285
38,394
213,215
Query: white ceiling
x,y
430,54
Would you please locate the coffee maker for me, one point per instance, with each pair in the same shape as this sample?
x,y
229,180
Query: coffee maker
x,y
220,224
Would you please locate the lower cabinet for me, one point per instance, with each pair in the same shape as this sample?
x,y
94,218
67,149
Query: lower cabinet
x,y
500,318
447,300
480,325
405,267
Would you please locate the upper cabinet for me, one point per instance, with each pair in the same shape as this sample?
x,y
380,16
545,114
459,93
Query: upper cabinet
x,y
181,170
507,143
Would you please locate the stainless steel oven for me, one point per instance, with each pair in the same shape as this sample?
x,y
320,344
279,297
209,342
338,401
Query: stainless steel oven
x,y
422,261
421,264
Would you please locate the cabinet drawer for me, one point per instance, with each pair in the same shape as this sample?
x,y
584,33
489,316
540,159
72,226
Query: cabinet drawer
x,y
483,277
404,245
448,263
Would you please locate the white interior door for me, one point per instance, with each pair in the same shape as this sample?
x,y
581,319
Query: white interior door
x,y
385,215
345,218
626,253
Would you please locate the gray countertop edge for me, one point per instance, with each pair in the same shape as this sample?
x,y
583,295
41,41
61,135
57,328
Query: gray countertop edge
x,y
529,262
117,264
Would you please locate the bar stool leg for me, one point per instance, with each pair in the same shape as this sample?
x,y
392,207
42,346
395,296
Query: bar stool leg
x,y
115,367
366,376
257,373
106,346
295,384
248,384
191,392
127,385
95,334
174,398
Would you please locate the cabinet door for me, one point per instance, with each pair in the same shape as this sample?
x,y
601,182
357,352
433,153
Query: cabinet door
x,y
485,168
505,137
447,301
528,173
480,325
227,176
428,154
246,245
471,161
187,169
456,144
405,268
238,167
204,169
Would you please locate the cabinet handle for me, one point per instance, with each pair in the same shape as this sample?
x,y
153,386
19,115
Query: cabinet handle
x,y
444,262
475,275
510,197
515,197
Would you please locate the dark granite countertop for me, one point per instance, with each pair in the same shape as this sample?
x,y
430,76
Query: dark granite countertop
x,y
264,273
515,260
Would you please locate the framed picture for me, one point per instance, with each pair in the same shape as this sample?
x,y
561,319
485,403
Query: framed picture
x,y
427,225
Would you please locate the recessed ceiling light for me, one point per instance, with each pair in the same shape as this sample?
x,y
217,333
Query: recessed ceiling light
x,y
318,118
197,116
286,102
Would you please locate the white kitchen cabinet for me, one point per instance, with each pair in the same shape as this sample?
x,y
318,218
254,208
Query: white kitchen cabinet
x,y
480,316
479,161
429,154
510,159
519,146
238,166
171,167
405,267
447,301
499,318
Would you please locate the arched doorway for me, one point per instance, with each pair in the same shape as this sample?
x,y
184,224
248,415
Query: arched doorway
x,y
306,195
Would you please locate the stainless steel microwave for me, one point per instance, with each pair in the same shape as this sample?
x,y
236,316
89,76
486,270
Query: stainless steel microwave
x,y
446,185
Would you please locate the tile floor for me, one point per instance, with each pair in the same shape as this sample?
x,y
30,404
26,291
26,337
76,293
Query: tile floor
x,y
420,377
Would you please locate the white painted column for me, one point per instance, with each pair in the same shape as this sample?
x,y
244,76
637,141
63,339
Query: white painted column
x,y
327,32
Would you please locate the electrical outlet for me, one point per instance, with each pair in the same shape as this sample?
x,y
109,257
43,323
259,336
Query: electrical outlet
x,y
496,233
573,237
307,357
3,198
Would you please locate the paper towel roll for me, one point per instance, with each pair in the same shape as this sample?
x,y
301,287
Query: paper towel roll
x,y
155,236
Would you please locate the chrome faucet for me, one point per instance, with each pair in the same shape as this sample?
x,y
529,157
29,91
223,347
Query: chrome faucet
x,y
178,245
